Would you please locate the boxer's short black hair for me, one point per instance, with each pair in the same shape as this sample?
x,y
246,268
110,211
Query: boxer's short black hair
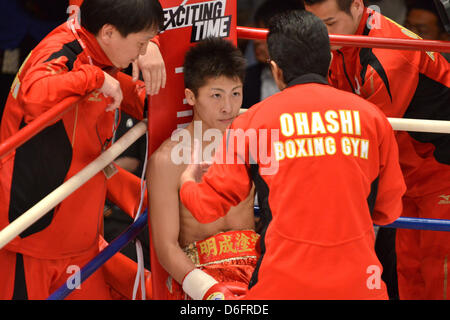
x,y
127,16
212,58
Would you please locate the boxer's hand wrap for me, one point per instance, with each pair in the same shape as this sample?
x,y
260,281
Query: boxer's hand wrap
x,y
201,286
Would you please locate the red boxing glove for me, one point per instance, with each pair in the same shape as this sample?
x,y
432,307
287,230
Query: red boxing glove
x,y
226,291
201,286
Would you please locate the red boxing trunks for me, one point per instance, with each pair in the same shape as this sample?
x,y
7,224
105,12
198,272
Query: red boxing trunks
x,y
228,257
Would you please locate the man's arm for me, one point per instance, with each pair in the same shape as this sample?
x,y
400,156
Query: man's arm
x,y
399,91
210,196
154,75
133,95
124,190
50,82
391,185
163,179
152,67
390,88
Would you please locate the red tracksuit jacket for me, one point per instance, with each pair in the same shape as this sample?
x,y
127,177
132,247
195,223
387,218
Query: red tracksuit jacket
x,y
338,174
56,69
403,84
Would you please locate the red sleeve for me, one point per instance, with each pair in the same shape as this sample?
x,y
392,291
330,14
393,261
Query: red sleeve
x,y
391,185
133,95
391,88
223,186
124,190
48,83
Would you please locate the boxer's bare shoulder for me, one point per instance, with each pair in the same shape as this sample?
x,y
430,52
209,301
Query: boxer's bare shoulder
x,y
166,166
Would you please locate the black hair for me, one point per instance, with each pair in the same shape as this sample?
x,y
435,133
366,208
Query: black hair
x,y
270,8
212,58
298,42
427,6
344,5
128,16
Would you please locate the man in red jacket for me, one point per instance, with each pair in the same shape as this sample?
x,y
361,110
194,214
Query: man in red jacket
x,y
338,173
150,64
82,61
403,84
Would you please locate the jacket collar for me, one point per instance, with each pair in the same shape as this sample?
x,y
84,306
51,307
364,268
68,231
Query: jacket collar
x,y
363,23
93,49
307,78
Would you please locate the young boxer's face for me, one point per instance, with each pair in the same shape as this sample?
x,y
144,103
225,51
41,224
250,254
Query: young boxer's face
x,y
217,103
124,50
337,20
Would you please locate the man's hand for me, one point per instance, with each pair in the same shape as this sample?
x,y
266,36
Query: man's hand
x,y
195,169
111,88
153,69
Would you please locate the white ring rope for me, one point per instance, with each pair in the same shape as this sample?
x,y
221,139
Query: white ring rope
x,y
413,125
420,125
63,191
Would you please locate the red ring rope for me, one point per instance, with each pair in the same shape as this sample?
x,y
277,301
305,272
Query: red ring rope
x,y
360,41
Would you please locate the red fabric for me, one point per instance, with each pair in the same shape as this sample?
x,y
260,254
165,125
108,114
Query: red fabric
x,y
232,264
423,173
45,276
420,266
220,291
124,190
120,273
319,243
423,256
44,80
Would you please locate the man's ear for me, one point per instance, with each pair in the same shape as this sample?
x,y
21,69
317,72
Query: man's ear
x,y
106,33
357,11
357,5
277,74
190,96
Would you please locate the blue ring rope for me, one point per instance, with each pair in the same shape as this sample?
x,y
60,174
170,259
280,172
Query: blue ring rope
x,y
420,224
116,245
410,223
